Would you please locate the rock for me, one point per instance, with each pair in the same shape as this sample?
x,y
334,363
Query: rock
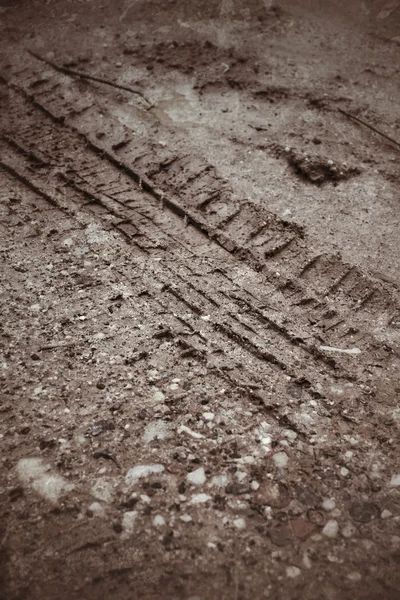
x,y
186,518
331,529
239,523
128,523
141,472
328,504
103,490
281,534
197,477
34,473
395,481
280,459
348,530
159,430
386,514
293,572
354,576
159,521
208,416
219,480
363,512
272,494
96,509
193,434
302,529
200,498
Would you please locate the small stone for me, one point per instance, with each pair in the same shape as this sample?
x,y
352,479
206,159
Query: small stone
x,y
354,576
301,528
197,477
344,472
208,416
363,512
96,509
200,498
186,518
348,530
395,481
280,459
331,529
272,494
159,430
239,523
128,523
158,396
254,485
281,534
142,471
386,514
328,504
293,572
158,521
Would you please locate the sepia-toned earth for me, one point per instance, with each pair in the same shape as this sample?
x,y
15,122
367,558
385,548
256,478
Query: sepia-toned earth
x,y
200,300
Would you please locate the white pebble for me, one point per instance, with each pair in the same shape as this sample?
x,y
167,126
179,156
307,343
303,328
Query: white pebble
x,y
386,514
292,572
239,523
348,530
280,459
142,471
395,481
185,518
97,509
200,498
344,472
208,416
328,504
197,477
158,521
354,576
331,529
254,485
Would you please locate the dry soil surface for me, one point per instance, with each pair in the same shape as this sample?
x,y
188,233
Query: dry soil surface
x,y
200,301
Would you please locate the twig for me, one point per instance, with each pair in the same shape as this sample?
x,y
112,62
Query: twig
x,y
90,77
371,127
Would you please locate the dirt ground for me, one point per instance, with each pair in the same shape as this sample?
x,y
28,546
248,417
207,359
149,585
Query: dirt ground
x,y
200,300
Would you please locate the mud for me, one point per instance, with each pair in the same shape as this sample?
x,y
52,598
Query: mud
x,y
200,301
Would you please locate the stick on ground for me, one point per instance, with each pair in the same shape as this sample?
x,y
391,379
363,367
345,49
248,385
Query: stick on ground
x,y
362,122
90,77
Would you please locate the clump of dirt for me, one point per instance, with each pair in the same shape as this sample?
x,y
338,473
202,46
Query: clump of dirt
x,y
319,169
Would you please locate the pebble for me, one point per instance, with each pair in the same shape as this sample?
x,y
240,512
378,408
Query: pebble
x,y
160,430
102,490
386,514
208,416
355,576
348,530
158,521
220,480
280,459
186,518
328,504
331,529
193,434
142,471
128,523
158,396
239,523
344,472
197,477
34,473
200,498
293,572
96,509
395,481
